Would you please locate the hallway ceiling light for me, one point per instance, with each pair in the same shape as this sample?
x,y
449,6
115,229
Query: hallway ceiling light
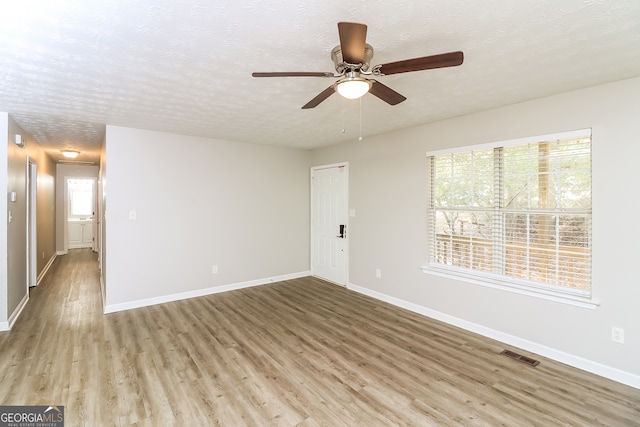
x,y
70,154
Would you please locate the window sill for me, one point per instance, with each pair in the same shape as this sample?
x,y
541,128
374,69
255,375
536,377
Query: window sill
x,y
522,289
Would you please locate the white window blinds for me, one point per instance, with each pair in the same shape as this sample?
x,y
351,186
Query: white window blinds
x,y
519,212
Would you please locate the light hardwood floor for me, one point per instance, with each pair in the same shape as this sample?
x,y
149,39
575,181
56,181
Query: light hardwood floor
x,y
301,352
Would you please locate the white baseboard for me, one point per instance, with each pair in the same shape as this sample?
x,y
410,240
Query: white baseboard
x,y
605,371
62,252
5,326
112,308
46,268
102,292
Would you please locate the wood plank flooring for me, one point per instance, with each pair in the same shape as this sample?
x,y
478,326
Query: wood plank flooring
x,y
296,353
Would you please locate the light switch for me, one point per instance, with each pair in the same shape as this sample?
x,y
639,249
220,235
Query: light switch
x,y
132,215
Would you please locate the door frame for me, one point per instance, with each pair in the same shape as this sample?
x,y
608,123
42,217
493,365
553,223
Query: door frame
x,y
32,223
344,165
66,210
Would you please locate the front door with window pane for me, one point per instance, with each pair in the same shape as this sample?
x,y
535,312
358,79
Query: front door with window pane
x,y
80,212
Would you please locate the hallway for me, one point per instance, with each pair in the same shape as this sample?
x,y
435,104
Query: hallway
x,y
50,355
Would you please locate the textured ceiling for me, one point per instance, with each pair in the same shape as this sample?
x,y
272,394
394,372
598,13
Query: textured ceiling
x,y
68,68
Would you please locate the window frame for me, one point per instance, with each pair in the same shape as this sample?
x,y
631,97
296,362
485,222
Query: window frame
x,y
582,298
70,201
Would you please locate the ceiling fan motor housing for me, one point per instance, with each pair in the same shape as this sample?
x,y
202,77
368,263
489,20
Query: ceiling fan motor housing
x,y
341,66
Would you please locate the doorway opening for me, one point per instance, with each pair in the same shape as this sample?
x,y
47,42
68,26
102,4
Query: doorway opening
x,y
80,213
32,241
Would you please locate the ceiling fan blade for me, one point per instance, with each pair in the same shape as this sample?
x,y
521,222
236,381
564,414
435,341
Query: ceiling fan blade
x,y
385,93
352,41
292,74
442,60
318,99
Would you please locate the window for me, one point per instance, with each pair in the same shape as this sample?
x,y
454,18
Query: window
x,y
80,197
515,214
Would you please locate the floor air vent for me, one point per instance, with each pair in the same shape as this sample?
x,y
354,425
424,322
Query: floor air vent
x,y
520,358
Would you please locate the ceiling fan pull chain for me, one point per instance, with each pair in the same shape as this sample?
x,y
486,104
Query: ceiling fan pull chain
x,y
344,116
360,137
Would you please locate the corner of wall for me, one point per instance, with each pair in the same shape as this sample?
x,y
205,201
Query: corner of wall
x,y
4,134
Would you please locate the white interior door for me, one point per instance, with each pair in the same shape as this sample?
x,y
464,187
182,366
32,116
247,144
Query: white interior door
x,y
329,228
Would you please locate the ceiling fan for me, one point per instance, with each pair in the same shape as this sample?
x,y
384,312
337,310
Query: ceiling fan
x,y
352,60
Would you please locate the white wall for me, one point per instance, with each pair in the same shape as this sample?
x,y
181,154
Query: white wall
x,y
388,193
200,202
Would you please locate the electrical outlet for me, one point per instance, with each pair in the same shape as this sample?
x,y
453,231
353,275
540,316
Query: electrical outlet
x,y
214,270
378,273
617,335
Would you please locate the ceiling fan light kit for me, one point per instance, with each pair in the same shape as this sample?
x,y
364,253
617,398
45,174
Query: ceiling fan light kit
x,y
353,87
352,59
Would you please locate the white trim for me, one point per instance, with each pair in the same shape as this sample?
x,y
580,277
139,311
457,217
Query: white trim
x,y
46,268
112,308
505,285
329,166
31,196
103,292
596,368
572,134
5,326
62,252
